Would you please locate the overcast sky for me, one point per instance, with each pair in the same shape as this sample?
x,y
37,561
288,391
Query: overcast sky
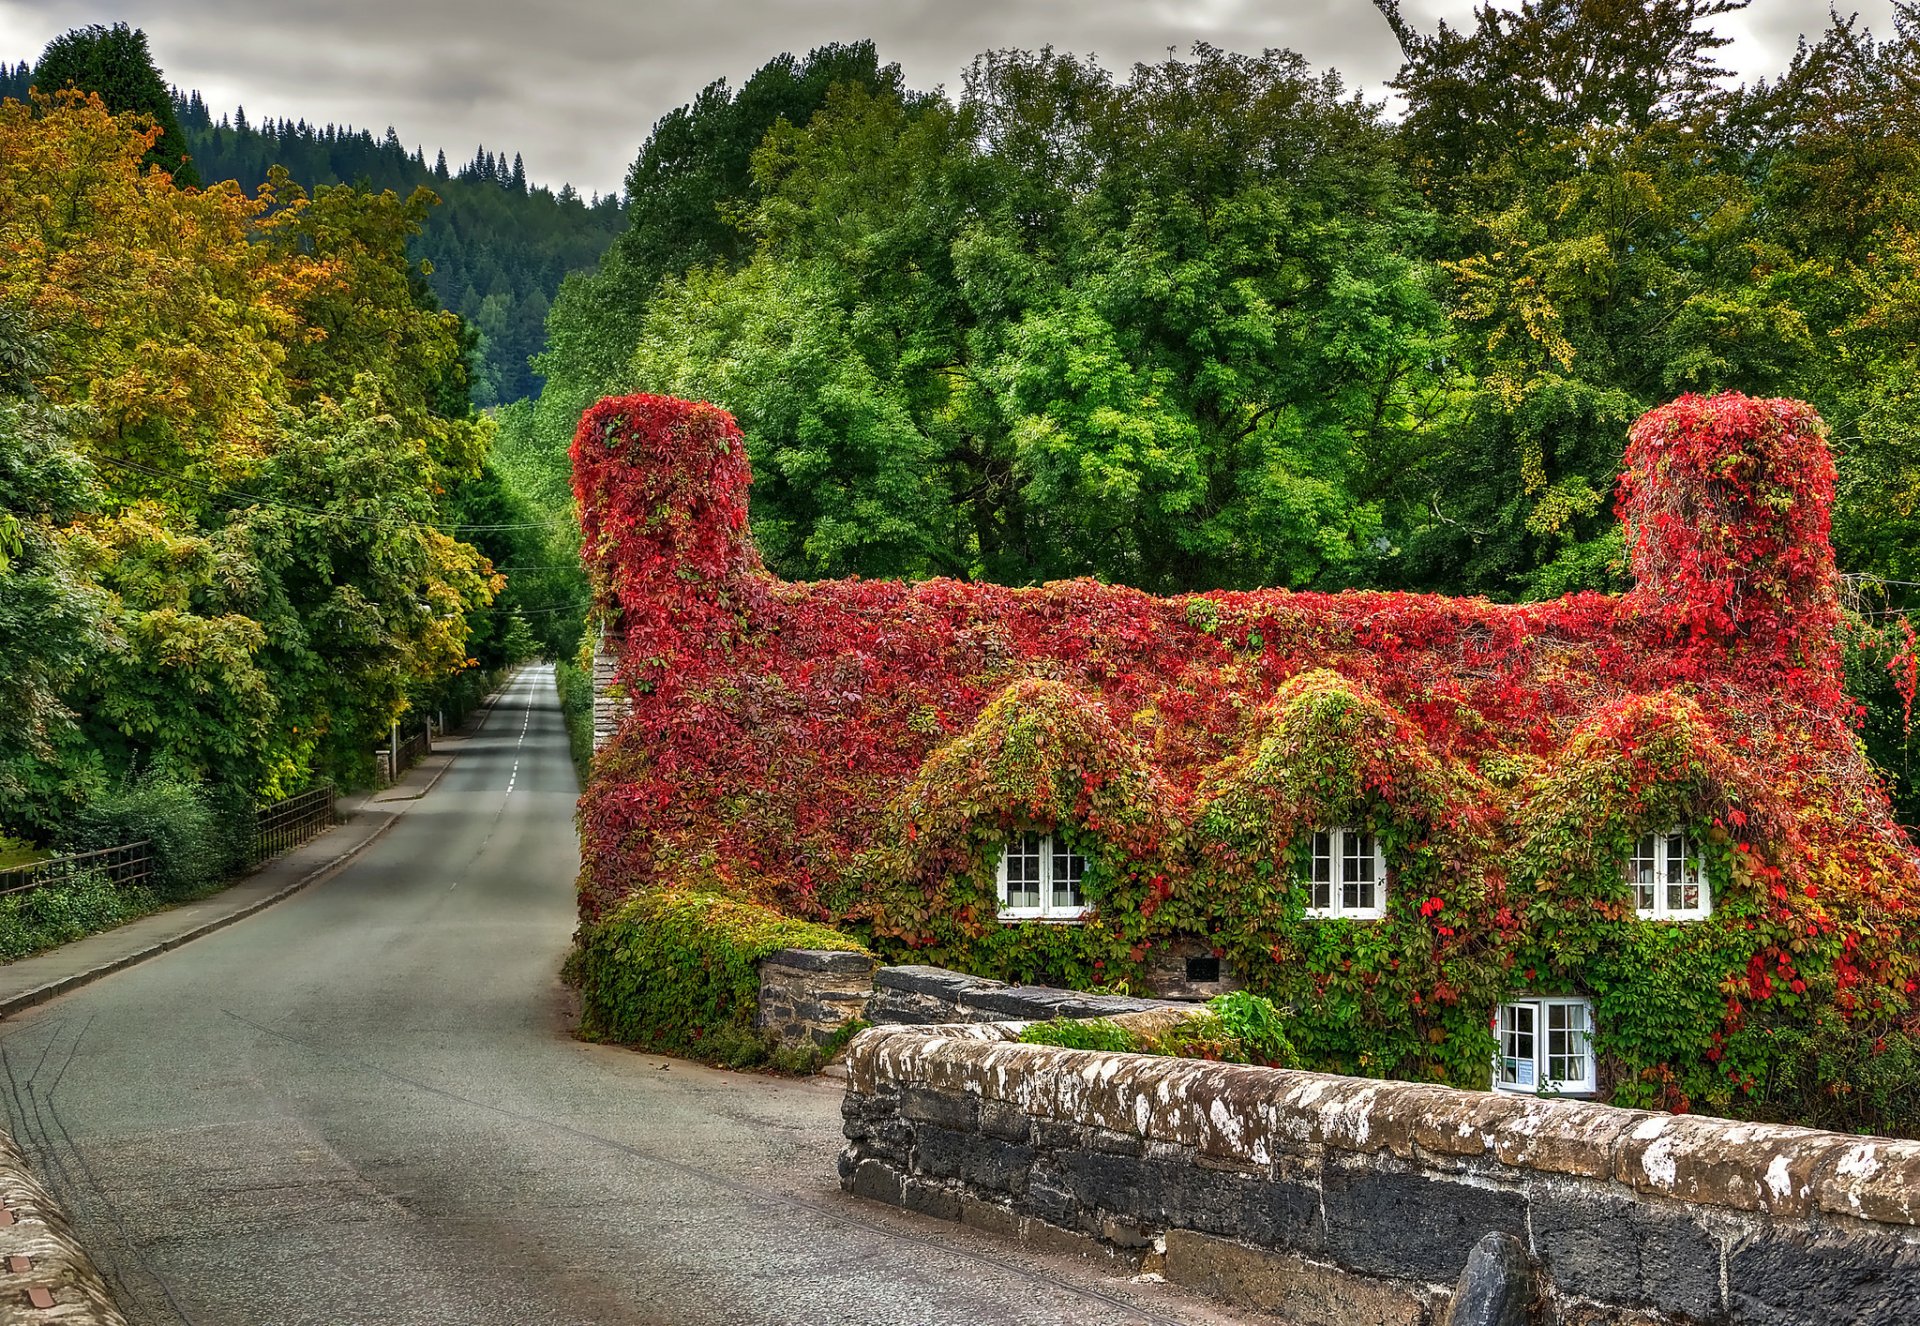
x,y
576,84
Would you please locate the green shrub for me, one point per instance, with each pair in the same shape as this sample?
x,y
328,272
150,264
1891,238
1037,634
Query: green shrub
x,y
61,913
1077,1034
1258,1026
677,972
575,685
1237,1028
193,849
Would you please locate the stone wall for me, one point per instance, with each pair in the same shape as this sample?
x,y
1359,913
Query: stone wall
x,y
808,995
45,1275
611,705
925,996
1342,1201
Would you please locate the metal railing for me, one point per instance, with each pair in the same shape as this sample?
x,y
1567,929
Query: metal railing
x,y
287,823
413,749
121,866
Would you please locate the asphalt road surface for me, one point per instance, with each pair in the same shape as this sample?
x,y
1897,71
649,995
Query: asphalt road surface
x,y
362,1106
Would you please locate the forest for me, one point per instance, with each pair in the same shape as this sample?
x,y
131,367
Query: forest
x,y
285,435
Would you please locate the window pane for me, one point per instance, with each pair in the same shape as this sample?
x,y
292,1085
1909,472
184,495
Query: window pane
x,y
1684,893
1567,1044
1517,1045
1640,873
1356,871
1068,867
1321,872
1023,870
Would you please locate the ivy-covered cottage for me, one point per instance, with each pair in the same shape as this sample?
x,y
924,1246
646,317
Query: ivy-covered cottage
x,y
1620,846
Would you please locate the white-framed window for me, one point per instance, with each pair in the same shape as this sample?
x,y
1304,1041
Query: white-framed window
x,y
1346,875
1545,1045
1665,876
1040,878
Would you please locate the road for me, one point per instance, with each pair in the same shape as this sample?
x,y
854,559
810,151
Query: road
x,y
362,1106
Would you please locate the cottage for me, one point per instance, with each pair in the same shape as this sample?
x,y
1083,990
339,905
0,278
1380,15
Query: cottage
x,y
1624,846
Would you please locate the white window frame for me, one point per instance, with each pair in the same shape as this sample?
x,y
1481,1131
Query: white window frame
x,y
1533,1056
1056,862
1335,852
1660,868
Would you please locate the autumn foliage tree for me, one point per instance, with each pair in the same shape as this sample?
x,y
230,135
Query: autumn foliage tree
x,y
272,414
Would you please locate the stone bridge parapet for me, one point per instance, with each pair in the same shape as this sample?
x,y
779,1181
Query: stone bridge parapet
x,y
1345,1200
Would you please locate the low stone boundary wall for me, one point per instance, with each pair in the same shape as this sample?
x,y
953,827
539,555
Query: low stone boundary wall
x,y
1344,1201
807,995
45,1275
924,996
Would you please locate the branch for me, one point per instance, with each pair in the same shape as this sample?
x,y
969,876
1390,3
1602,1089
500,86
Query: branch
x,y
1402,30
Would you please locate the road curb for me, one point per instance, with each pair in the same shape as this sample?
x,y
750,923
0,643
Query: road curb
x,y
40,994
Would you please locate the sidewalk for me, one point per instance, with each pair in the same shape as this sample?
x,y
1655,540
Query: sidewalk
x,y
37,979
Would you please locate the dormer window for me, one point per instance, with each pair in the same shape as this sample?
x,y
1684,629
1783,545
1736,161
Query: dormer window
x,y
1040,878
1546,1045
1346,875
1667,881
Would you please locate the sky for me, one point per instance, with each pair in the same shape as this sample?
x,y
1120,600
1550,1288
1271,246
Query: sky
x,y
575,85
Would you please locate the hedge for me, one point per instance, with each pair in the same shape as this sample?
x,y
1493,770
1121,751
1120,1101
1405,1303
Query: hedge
x,y
678,972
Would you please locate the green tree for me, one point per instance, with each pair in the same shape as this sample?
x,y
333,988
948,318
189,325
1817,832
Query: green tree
x,y
1019,337
50,619
115,63
692,177
1605,254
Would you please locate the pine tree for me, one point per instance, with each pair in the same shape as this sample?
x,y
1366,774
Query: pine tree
x,y
115,63
519,182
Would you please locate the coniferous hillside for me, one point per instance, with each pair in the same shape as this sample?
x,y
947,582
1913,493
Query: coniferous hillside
x,y
499,246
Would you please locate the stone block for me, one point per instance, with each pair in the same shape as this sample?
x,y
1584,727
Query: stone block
x,y
1053,1135
1280,1213
1289,1285
1050,1201
1747,1166
929,1199
982,1163
829,961
1855,1274
944,1109
1389,1222
1496,1288
1562,1136
1009,1123
990,1217
1872,1178
877,1183
1114,1183
1601,1242
1114,1144
1072,1243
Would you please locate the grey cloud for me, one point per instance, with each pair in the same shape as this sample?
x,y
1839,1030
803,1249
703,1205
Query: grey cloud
x,y
575,85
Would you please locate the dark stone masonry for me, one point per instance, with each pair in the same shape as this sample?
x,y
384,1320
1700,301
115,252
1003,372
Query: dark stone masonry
x,y
927,996
1342,1201
808,995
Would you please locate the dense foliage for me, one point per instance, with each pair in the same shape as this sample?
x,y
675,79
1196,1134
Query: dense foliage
x,y
857,751
238,455
1236,1028
1222,324
680,972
